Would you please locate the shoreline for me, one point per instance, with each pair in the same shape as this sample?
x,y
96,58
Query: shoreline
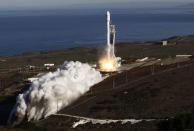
x,y
180,45
95,46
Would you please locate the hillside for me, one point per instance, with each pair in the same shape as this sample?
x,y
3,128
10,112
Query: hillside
x,y
140,93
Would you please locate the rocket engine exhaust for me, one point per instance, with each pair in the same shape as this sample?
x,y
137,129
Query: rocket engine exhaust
x,y
109,62
54,91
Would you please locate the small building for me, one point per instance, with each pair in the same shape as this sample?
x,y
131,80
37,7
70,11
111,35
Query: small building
x,y
49,65
165,43
168,43
32,79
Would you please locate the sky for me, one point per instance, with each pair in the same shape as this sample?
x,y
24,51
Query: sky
x,y
47,4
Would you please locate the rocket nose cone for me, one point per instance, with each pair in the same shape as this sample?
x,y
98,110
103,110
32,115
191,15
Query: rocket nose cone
x,y
108,15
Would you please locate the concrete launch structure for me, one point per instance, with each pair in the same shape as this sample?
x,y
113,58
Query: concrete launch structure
x,y
110,37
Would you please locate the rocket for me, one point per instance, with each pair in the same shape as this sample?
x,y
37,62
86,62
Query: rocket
x,y
110,30
109,62
110,36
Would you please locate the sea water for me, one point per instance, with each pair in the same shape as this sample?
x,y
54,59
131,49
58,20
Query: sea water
x,y
21,34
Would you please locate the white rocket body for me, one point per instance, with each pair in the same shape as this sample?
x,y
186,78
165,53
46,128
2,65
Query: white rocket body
x,y
108,28
110,37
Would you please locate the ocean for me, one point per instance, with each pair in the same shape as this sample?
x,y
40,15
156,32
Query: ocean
x,y
22,34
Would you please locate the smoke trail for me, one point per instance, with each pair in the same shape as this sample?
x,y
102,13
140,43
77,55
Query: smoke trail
x,y
54,91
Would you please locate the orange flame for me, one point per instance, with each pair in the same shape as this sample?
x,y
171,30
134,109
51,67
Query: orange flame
x,y
108,65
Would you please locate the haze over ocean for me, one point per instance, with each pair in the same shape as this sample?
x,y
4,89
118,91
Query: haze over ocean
x,y
21,33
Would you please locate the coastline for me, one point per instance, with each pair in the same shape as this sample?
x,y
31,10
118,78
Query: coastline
x,y
180,45
188,38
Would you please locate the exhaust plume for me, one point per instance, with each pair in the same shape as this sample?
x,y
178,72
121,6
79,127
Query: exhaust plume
x,y
54,91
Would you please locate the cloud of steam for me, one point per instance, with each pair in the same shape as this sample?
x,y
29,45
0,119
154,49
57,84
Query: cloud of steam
x,y
54,91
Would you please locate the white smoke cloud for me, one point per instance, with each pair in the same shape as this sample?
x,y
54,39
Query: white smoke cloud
x,y
54,91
